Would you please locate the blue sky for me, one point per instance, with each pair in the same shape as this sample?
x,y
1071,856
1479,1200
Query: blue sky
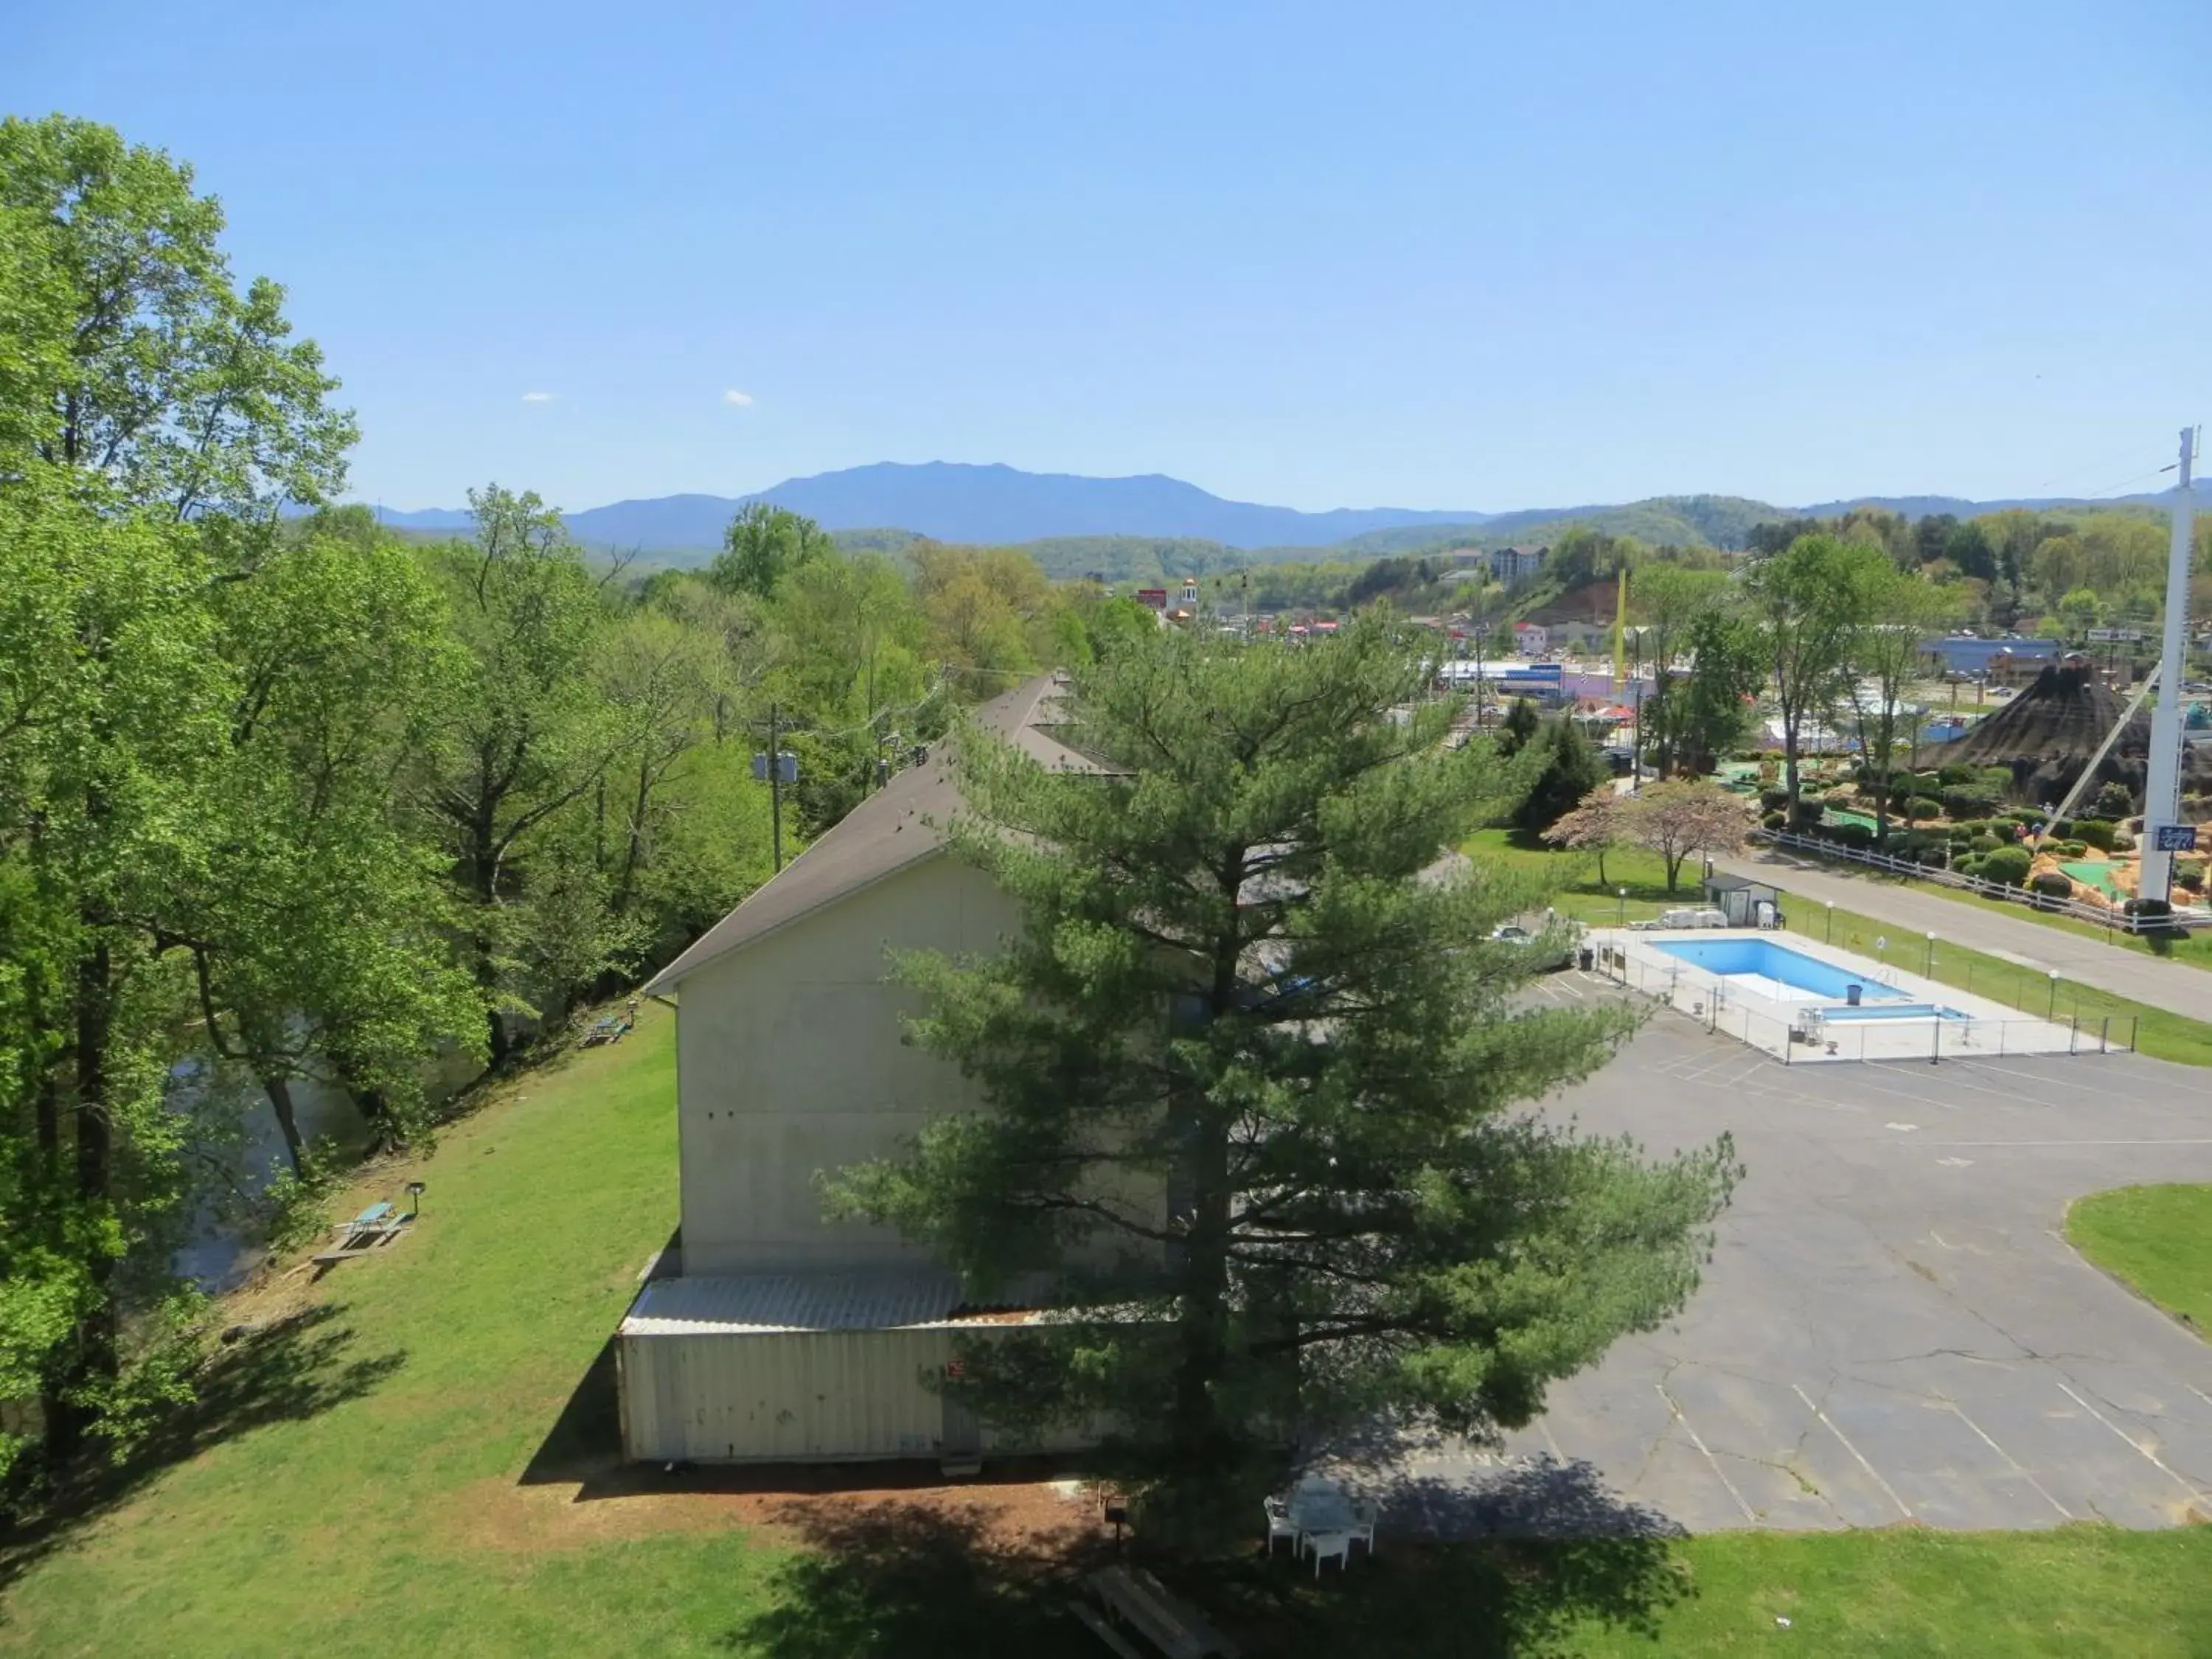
x,y
1456,256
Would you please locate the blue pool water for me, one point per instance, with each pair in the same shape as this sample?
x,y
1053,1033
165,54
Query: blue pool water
x,y
1775,962
1892,1010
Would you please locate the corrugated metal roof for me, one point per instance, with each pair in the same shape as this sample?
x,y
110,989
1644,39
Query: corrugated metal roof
x,y
899,825
760,1304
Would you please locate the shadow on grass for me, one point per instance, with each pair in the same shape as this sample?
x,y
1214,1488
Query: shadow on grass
x,y
889,1577
1561,1556
285,1372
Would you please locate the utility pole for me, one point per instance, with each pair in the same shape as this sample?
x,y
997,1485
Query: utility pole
x,y
775,788
2163,833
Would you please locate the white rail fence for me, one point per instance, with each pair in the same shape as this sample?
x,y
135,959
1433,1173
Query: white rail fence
x,y
2111,919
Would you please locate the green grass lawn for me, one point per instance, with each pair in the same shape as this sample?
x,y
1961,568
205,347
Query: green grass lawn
x,y
2157,1239
2160,1035
358,1486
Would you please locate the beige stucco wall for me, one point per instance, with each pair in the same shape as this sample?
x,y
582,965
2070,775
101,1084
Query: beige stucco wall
x,y
789,1061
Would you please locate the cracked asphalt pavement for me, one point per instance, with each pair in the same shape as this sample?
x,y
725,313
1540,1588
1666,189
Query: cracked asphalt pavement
x,y
1893,1329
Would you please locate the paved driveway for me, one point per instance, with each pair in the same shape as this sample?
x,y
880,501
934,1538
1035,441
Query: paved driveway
x,y
1893,1329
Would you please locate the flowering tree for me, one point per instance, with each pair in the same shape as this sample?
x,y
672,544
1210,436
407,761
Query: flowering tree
x,y
1681,816
1597,823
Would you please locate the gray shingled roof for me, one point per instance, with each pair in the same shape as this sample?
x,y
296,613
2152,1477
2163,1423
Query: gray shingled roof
x,y
901,824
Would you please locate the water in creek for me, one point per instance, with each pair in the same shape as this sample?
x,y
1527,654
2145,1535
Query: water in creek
x,y
214,1256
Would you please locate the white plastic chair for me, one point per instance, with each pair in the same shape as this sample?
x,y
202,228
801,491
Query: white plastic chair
x,y
1279,1524
1327,1545
1365,1514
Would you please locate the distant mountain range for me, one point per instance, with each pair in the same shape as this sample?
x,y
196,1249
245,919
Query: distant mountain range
x,y
952,502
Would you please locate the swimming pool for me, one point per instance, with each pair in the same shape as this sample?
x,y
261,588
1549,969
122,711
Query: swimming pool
x,y
1763,959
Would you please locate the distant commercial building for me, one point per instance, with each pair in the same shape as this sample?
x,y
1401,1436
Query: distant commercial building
x,y
1959,655
1531,639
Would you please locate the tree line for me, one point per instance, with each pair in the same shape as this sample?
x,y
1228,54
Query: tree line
x,y
287,801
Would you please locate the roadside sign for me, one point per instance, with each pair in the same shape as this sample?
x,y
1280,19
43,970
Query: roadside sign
x,y
2116,636
2173,838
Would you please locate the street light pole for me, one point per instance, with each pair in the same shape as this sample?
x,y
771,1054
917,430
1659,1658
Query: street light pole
x,y
2052,1008
1623,919
1927,962
1829,937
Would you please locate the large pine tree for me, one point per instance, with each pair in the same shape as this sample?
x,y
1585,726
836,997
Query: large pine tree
x,y
1257,1078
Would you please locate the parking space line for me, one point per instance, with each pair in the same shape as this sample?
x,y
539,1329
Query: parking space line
x,y
2148,1454
1748,1513
2199,1393
1874,1474
2064,1513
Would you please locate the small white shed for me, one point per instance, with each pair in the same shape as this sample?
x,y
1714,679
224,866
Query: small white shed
x,y
803,1368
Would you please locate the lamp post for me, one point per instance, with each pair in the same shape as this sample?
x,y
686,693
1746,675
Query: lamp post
x,y
1927,960
414,1199
2051,1008
1830,936
1622,921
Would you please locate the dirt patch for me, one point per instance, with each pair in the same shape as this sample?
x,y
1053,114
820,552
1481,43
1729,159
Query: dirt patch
x,y
1033,1519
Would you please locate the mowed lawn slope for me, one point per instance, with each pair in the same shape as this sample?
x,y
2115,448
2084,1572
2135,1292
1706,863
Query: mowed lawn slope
x,y
364,1494
392,1519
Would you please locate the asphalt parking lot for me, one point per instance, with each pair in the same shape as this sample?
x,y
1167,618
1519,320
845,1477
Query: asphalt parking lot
x,y
1893,1329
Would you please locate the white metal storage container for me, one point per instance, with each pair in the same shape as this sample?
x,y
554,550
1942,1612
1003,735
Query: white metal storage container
x,y
801,1368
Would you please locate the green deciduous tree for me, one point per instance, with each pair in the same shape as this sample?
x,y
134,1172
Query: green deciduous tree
x,y
185,393
763,545
1254,1093
524,736
1810,600
1885,656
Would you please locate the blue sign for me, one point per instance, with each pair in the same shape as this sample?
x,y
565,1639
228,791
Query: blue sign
x,y
2174,838
1536,670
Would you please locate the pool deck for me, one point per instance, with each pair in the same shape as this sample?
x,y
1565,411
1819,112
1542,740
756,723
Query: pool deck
x,y
1784,1021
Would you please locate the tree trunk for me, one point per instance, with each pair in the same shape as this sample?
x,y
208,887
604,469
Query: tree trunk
x,y
91,1355
279,1091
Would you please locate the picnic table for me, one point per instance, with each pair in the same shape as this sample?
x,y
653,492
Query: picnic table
x,y
1321,1506
1141,1602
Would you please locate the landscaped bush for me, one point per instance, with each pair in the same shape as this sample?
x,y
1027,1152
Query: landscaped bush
x,y
1956,773
1925,806
2115,800
2008,865
1986,843
2051,884
1773,820
1967,866
2067,850
1848,834
1773,800
1996,779
1807,815
2189,873
2094,832
1935,858
1970,803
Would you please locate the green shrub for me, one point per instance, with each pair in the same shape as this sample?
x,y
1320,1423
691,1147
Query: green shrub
x,y
2067,849
1957,773
1967,866
1773,800
1970,803
1773,820
1986,843
2008,865
2115,800
1925,806
1996,779
2094,832
2189,873
2053,884
1848,834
